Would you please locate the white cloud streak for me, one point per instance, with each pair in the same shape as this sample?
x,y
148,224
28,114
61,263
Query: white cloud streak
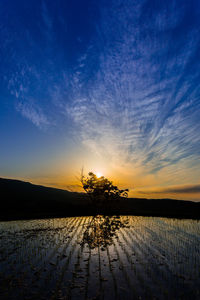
x,y
33,113
140,105
133,96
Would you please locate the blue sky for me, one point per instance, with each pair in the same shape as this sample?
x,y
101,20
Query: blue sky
x,y
111,85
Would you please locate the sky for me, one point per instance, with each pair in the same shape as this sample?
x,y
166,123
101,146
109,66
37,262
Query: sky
x,y
111,86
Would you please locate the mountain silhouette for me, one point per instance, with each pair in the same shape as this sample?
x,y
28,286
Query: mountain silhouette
x,y
23,200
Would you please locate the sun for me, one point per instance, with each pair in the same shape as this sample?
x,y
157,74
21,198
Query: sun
x,y
99,174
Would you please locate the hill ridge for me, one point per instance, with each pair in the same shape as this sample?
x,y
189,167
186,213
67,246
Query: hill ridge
x,y
22,199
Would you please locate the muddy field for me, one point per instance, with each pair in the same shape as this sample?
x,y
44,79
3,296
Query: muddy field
x,y
148,258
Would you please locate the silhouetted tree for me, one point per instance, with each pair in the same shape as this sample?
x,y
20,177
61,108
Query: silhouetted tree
x,y
102,229
102,192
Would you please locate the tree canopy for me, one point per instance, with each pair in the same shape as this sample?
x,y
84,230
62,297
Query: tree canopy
x,y
104,227
101,187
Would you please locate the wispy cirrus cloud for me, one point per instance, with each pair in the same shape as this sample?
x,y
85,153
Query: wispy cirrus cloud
x,y
33,113
143,103
124,79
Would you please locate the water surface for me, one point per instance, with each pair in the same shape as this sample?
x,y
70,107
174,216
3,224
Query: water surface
x,y
152,258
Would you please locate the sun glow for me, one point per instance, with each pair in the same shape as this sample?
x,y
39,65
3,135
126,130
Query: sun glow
x,y
99,174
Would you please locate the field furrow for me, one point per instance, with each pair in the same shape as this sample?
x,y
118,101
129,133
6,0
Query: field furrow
x,y
151,258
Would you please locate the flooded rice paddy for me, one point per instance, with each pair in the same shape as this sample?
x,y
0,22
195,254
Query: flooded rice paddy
x,y
67,258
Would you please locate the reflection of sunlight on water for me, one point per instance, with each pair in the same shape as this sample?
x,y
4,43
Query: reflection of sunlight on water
x,y
153,257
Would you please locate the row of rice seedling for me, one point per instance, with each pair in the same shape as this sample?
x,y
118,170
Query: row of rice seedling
x,y
153,258
170,258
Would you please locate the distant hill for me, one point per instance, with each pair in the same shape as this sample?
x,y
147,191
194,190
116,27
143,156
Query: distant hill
x,y
23,200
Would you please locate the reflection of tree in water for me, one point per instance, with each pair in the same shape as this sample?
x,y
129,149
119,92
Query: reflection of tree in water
x,y
102,230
